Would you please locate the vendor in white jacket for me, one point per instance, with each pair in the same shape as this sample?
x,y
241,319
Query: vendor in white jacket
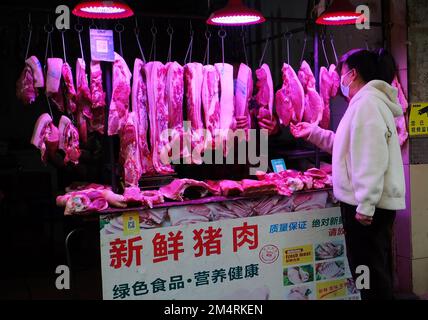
x,y
368,175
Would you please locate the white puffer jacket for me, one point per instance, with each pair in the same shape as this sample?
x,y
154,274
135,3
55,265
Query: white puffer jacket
x,y
367,164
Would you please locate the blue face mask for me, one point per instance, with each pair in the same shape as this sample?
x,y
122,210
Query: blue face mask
x,y
345,89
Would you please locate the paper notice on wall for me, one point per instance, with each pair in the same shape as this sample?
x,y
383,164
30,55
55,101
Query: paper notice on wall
x,y
102,45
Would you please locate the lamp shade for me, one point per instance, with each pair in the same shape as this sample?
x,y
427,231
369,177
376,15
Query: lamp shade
x,y
103,9
341,12
235,14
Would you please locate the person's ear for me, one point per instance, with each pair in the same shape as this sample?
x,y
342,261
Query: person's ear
x,y
354,75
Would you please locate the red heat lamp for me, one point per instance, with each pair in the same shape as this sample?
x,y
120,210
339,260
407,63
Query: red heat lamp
x,y
116,9
340,13
235,14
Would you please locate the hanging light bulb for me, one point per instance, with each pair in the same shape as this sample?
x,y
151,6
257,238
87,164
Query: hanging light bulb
x,y
103,9
235,14
341,12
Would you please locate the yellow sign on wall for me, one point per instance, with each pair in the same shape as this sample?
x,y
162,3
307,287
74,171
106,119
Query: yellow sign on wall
x,y
418,123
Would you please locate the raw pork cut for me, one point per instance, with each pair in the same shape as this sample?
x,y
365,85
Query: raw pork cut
x,y
98,99
193,76
264,84
129,153
243,92
297,275
83,99
30,80
89,199
265,92
53,82
152,197
69,90
97,92
119,105
174,99
400,122
174,95
290,99
135,197
329,250
227,109
25,90
314,106
181,188
211,100
158,114
193,84
36,68
80,202
231,188
45,136
329,87
257,188
69,140
141,109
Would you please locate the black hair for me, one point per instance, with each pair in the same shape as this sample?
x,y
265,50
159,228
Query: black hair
x,y
371,65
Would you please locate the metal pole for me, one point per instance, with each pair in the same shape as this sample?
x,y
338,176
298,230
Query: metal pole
x,y
108,141
317,81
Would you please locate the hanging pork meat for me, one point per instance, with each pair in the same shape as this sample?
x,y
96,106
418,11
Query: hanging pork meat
x,y
36,68
45,136
69,140
174,99
329,87
211,102
140,107
227,103
290,99
243,93
69,89
53,82
30,80
265,92
193,77
129,157
98,98
83,100
158,114
119,105
314,106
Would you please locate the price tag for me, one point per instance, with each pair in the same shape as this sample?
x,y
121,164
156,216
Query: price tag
x,y
131,224
418,123
102,45
278,165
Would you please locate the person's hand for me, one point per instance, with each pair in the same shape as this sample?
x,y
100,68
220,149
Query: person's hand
x,y
271,125
242,123
364,220
301,130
